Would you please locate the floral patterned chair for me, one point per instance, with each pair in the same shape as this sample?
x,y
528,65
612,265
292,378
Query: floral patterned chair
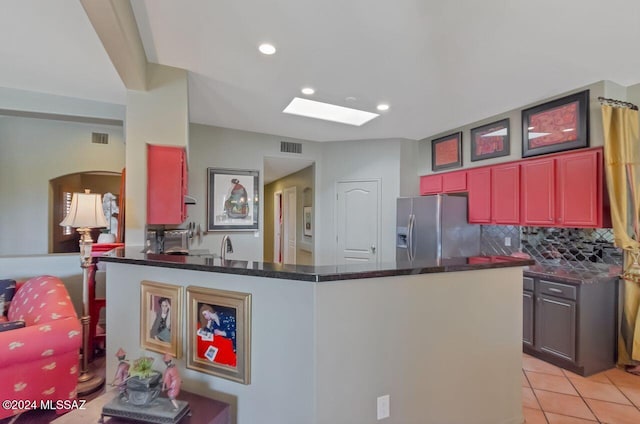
x,y
41,360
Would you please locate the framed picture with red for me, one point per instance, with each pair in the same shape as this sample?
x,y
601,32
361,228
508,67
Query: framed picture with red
x,y
219,328
556,126
446,152
490,141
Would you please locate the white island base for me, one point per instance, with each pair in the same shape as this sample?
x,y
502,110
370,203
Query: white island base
x,y
446,347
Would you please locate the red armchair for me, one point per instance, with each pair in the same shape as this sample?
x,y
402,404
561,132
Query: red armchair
x,y
41,360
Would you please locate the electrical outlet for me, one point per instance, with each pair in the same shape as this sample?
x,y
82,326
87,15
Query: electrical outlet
x,y
507,241
383,407
256,234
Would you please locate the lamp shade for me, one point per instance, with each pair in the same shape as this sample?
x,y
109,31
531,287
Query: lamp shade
x,y
85,211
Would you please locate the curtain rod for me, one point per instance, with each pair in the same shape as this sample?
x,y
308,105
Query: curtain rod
x,y
617,103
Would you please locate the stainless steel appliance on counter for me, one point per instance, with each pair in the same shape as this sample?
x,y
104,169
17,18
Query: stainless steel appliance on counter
x,y
434,227
175,241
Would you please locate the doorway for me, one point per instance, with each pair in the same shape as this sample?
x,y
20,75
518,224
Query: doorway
x,y
289,213
66,239
358,221
277,227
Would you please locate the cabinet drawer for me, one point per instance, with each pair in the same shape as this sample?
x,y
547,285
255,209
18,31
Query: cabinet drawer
x,y
558,290
527,283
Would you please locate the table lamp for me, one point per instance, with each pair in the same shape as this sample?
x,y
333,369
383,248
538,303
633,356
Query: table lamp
x,y
84,214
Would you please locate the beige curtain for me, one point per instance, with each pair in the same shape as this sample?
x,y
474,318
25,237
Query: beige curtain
x,y
622,160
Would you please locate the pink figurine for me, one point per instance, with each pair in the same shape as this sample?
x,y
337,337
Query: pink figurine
x,y
171,380
122,372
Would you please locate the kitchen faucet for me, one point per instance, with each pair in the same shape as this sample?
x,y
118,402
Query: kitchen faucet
x,y
225,247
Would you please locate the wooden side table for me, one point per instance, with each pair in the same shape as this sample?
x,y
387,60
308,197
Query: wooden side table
x,y
203,411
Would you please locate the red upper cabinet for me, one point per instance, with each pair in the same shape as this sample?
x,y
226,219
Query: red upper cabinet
x,y
454,182
538,192
494,194
448,182
505,193
430,184
565,190
479,184
166,185
579,189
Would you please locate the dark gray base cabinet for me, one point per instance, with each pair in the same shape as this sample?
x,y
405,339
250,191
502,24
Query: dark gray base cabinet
x,y
571,325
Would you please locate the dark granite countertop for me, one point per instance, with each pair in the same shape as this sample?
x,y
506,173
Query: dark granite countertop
x,y
310,273
593,273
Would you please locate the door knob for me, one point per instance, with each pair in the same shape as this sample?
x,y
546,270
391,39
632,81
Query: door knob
x,y
373,248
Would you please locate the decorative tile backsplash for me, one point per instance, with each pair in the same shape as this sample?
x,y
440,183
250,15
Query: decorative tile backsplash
x,y
577,248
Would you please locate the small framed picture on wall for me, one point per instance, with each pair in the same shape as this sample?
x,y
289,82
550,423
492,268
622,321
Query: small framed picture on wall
x,y
446,152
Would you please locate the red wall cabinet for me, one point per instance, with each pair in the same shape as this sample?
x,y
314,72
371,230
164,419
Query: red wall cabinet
x,y
430,184
479,184
454,182
449,182
505,193
166,185
565,190
494,194
538,192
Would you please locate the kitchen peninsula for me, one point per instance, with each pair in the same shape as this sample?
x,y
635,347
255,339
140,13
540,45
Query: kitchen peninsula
x,y
327,341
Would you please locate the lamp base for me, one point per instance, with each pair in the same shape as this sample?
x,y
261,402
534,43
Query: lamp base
x,y
89,383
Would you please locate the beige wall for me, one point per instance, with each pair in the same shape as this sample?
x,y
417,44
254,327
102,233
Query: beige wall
x,y
321,353
157,116
601,88
34,151
215,147
304,183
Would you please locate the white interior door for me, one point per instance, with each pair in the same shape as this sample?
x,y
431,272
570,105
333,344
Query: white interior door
x,y
357,221
289,225
277,227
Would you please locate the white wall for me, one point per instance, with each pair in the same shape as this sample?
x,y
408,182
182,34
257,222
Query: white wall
x,y
282,348
445,350
214,147
367,159
321,353
34,151
159,115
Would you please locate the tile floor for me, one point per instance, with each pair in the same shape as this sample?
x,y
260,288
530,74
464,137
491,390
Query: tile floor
x,y
551,395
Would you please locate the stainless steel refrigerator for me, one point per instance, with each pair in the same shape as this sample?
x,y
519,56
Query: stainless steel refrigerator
x,y
434,227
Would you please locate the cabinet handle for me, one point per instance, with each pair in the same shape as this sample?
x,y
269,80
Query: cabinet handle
x,y
552,290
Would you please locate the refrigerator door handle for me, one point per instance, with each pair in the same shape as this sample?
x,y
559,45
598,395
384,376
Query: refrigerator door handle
x,y
412,219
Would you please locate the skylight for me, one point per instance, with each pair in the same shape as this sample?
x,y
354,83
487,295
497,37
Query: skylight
x,y
328,112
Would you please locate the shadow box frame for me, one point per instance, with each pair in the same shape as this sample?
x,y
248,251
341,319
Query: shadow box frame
x,y
151,295
218,180
454,139
485,131
556,112
197,297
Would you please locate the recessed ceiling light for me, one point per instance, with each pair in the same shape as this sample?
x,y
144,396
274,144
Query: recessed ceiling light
x,y
308,91
382,106
328,112
267,48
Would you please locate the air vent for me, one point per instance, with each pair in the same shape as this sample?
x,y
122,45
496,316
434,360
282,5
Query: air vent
x,y
287,147
100,138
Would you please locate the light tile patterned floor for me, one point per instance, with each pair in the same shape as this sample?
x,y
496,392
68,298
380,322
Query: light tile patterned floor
x,y
551,395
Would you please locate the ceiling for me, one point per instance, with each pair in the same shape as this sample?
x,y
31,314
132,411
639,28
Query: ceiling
x,y
438,64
